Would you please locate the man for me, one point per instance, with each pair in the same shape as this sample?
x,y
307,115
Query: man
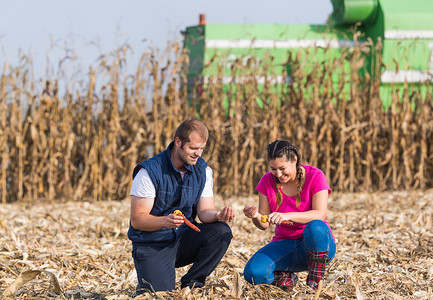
x,y
176,179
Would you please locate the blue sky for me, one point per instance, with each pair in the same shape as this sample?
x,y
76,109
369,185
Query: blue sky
x,y
49,30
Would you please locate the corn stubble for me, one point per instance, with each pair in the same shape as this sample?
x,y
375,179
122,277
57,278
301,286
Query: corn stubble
x,y
79,250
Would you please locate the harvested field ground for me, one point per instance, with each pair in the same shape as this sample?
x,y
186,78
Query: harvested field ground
x,y
384,240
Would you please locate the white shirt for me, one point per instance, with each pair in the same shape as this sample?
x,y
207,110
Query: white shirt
x,y
143,187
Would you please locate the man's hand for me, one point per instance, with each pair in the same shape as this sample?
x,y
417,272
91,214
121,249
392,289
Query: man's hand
x,y
226,214
173,221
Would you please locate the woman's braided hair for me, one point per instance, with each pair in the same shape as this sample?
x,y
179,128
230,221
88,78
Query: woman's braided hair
x,y
284,149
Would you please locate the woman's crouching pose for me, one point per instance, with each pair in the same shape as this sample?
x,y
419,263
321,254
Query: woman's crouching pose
x,y
293,197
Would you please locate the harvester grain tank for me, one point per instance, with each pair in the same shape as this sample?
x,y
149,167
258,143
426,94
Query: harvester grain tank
x,y
405,29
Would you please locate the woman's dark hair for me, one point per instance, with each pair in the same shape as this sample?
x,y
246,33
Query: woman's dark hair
x,y
284,149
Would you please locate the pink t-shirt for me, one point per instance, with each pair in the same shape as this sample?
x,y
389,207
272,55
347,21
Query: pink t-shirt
x,y
315,181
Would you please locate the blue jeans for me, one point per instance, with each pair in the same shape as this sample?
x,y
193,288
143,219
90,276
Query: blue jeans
x,y
289,255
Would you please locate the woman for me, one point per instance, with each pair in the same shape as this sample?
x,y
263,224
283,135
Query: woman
x,y
295,194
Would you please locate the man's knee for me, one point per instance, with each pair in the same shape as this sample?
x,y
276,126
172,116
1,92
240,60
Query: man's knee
x,y
220,231
225,231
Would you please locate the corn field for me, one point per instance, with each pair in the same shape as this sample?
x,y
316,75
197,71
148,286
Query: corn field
x,y
64,140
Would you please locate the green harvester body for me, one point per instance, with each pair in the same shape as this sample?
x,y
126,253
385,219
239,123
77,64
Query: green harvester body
x,y
405,29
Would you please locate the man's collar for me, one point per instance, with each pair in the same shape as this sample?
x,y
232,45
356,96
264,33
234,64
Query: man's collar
x,y
189,168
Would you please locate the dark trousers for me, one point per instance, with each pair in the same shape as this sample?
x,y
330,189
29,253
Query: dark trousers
x,y
156,263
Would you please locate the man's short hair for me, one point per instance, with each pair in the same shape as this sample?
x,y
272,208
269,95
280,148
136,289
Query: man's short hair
x,y
189,125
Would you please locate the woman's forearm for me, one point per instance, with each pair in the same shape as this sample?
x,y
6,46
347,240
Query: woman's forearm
x,y
306,216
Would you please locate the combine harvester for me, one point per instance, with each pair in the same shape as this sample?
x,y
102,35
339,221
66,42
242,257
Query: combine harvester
x,y
403,28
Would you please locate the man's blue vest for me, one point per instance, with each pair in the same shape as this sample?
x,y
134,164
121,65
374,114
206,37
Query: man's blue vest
x,y
171,193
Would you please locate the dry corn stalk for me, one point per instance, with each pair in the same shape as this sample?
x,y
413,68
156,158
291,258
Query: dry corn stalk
x,y
83,144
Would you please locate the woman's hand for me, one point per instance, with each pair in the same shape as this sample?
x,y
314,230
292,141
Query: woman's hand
x,y
251,211
277,218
